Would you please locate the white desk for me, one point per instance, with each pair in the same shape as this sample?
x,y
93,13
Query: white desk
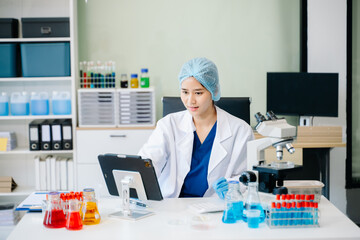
x,y
333,225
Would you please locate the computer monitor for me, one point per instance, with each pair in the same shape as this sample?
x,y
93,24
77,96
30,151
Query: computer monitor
x,y
117,166
303,94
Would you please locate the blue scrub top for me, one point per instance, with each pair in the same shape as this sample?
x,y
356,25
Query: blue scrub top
x,y
195,183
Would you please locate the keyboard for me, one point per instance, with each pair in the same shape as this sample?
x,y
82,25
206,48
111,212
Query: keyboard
x,y
207,207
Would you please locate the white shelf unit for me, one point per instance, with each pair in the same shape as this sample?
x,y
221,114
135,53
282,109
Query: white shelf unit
x,y
19,163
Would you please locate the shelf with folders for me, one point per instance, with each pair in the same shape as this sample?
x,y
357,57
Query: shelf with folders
x,y
30,117
23,150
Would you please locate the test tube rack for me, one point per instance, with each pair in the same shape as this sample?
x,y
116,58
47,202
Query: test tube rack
x,y
293,219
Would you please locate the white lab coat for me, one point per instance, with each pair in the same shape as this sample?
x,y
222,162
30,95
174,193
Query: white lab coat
x,y
171,143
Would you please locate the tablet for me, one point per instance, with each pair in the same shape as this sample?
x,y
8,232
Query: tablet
x,y
132,163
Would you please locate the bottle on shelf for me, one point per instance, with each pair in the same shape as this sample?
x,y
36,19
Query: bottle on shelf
x,y
4,104
134,82
124,81
144,78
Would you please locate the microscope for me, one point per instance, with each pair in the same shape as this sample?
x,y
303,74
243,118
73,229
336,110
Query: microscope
x,y
279,134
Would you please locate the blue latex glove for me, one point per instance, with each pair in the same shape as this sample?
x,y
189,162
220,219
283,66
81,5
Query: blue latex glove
x,y
221,187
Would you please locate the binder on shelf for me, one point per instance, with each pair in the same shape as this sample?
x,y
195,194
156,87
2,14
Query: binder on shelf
x,y
37,173
56,135
45,135
35,135
70,173
48,172
67,134
63,174
43,177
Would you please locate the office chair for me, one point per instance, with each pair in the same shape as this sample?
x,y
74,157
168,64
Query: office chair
x,y
237,106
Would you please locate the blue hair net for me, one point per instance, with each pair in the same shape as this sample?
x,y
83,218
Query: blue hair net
x,y
205,72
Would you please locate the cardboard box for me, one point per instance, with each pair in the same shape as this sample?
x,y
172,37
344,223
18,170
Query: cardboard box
x,y
7,184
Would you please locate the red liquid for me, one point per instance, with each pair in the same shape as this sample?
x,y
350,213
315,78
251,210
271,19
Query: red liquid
x,y
54,219
74,222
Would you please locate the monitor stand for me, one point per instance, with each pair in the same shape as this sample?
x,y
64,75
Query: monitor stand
x,y
124,180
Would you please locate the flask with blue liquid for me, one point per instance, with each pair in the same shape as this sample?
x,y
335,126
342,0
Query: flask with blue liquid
x,y
253,201
234,203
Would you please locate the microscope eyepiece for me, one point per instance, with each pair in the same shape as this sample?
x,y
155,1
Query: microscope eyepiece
x,y
259,117
271,115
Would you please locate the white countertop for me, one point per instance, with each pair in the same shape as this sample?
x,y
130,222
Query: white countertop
x,y
173,220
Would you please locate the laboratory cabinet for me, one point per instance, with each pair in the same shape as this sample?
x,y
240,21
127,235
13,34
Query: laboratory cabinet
x,y
92,142
19,162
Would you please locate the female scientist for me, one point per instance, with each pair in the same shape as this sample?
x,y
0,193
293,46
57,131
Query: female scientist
x,y
192,149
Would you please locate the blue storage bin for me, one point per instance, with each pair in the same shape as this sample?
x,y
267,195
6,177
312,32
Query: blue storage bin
x,y
39,103
4,104
8,60
45,59
61,103
19,104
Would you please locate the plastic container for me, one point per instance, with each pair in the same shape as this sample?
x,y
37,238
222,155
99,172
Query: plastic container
x,y
45,59
4,104
134,82
144,78
19,104
9,60
61,103
305,187
39,103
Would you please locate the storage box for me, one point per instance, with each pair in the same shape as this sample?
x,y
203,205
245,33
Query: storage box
x,y
305,187
9,28
45,59
45,27
9,59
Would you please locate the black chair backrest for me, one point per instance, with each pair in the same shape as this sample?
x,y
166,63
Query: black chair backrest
x,y
237,106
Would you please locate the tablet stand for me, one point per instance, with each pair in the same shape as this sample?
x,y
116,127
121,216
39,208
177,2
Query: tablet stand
x,y
127,181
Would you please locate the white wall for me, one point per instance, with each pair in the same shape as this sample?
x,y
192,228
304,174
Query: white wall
x,y
327,53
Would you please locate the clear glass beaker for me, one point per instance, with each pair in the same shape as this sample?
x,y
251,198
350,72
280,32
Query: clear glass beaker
x,y
253,201
73,220
54,214
89,213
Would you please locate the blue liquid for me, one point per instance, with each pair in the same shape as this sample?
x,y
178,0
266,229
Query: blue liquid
x,y
229,216
238,209
4,108
253,222
61,107
254,206
18,109
40,107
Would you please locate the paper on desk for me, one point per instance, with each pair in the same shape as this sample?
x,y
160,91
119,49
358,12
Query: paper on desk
x,y
33,201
